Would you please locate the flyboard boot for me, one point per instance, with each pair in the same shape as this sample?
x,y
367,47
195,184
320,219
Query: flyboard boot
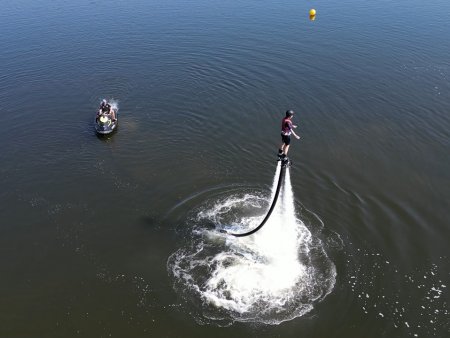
x,y
280,154
285,161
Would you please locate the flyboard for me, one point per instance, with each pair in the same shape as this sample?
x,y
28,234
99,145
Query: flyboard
x,y
285,163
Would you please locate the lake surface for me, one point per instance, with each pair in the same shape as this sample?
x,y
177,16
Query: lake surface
x,y
117,236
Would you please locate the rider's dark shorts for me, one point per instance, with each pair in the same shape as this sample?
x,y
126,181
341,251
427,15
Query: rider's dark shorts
x,y
286,139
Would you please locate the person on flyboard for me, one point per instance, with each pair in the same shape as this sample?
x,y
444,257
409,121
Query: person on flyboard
x,y
287,128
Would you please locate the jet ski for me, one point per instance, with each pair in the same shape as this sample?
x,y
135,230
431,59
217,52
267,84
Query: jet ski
x,y
104,123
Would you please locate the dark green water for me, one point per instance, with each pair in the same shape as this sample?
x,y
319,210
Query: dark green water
x,y
90,226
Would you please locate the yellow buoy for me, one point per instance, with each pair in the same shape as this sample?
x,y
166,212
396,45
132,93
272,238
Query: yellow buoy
x,y
312,12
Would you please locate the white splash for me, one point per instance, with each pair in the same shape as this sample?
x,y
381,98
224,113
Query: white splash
x,y
267,277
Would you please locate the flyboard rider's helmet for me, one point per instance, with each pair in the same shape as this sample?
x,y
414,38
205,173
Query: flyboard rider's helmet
x,y
289,113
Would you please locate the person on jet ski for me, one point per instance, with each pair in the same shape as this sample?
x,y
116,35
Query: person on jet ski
x,y
106,109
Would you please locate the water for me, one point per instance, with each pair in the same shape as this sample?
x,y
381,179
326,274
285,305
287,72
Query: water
x,y
91,228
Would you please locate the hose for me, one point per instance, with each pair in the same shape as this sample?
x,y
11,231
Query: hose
x,y
284,165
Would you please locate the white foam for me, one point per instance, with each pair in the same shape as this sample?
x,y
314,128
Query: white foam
x,y
266,277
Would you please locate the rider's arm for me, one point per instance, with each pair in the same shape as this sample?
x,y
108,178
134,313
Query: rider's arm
x,y
291,127
295,134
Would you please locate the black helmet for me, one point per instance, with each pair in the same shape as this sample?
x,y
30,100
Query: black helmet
x,y
289,113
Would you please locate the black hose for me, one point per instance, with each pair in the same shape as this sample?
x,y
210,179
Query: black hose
x,y
274,202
